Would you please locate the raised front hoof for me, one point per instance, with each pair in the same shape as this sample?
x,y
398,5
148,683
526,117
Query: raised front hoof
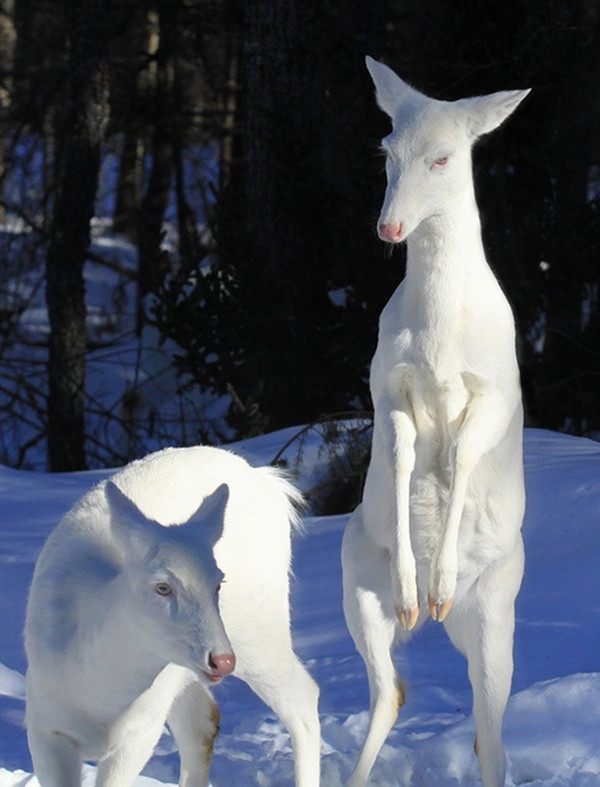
x,y
408,617
439,610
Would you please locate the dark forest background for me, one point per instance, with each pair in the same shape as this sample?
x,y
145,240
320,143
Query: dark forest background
x,y
273,290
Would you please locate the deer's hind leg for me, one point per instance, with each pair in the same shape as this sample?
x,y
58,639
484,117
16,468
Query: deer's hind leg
x,y
277,676
373,624
482,628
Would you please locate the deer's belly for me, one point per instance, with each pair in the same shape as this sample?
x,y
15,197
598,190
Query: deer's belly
x,y
429,496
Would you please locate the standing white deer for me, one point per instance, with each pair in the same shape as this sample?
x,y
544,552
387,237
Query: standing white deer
x,y
439,526
127,628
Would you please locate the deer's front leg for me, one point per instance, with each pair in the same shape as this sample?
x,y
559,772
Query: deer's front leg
x,y
487,418
403,567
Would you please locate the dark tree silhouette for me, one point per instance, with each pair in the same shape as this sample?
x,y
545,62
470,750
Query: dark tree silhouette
x,y
79,134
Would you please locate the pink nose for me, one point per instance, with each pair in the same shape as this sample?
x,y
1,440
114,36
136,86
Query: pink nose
x,y
222,664
392,233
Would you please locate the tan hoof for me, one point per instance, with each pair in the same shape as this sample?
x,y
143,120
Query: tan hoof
x,y
408,623
439,611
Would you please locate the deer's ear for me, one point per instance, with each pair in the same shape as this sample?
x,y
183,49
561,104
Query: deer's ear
x,y
207,523
485,113
134,531
391,91
121,505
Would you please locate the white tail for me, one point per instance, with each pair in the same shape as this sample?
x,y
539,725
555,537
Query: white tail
x,y
439,524
130,621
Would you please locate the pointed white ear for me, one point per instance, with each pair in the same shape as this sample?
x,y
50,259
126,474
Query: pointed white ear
x,y
209,519
120,504
485,113
134,530
390,90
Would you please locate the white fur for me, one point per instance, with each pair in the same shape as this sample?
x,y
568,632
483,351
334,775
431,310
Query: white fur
x,y
110,660
439,524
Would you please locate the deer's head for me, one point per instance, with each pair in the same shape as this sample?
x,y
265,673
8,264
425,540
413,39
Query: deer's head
x,y
172,582
428,152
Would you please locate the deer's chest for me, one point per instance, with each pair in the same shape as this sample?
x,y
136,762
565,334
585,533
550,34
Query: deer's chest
x,y
434,376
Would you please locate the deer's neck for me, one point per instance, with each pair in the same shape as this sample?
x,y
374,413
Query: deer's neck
x,y
446,275
448,244
445,256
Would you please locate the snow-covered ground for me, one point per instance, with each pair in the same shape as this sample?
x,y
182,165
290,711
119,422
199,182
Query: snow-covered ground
x,y
552,727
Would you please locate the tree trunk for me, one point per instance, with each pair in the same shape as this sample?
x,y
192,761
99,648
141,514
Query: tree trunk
x,y
565,356
78,139
129,43
283,121
155,200
7,46
292,212
129,186
279,254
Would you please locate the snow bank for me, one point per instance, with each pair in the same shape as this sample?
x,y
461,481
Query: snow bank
x,y
552,726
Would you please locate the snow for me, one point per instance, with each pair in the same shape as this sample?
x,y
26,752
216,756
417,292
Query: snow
x,y
552,726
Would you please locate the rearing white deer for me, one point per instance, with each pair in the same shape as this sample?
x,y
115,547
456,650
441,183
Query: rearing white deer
x,y
444,496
